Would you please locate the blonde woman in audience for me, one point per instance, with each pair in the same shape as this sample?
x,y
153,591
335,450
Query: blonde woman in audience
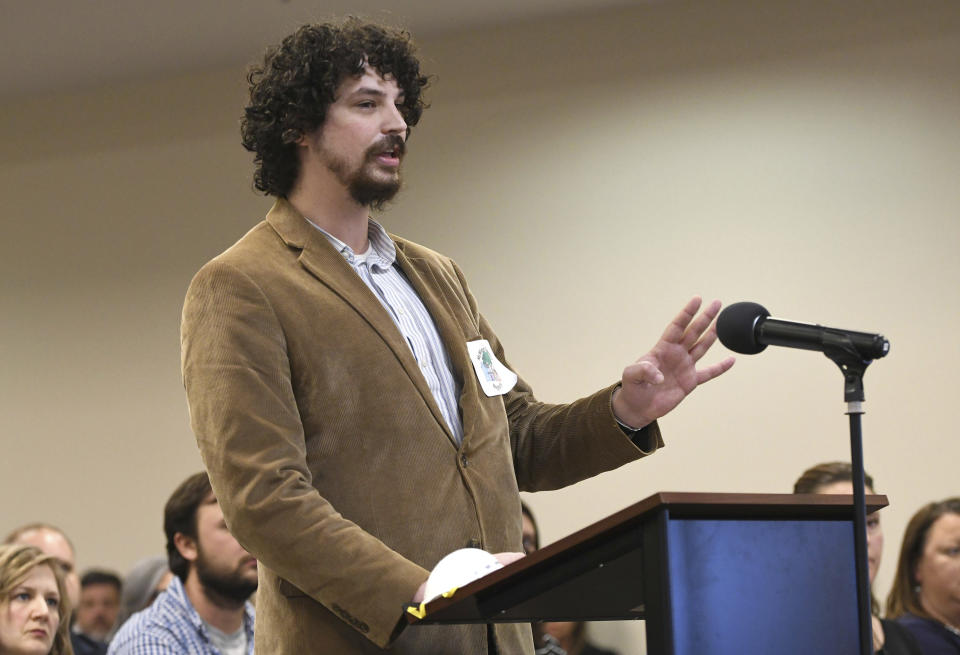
x,y
837,478
925,598
34,607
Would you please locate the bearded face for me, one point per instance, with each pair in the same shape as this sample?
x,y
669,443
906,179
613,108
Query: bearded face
x,y
226,572
230,578
360,145
376,178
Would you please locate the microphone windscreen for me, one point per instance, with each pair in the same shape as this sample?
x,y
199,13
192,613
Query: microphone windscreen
x,y
736,327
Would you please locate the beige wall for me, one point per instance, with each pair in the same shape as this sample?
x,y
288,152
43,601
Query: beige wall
x,y
589,174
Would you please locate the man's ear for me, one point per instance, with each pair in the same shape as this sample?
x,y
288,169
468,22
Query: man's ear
x,y
187,546
302,139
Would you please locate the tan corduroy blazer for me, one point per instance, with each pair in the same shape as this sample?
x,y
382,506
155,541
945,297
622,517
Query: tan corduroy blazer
x,y
330,457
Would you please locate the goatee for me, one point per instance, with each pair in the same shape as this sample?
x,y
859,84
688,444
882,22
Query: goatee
x,y
368,190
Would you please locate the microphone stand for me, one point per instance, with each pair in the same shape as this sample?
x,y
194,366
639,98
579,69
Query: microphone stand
x,y
840,349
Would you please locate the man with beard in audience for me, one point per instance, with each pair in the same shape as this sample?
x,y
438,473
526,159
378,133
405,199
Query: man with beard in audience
x,y
205,610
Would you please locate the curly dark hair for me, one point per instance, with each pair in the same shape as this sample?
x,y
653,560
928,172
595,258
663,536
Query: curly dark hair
x,y
291,91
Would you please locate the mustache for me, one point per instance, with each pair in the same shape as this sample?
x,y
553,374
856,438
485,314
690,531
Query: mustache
x,y
390,143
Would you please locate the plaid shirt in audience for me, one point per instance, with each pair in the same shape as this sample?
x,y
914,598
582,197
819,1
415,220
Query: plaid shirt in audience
x,y
171,626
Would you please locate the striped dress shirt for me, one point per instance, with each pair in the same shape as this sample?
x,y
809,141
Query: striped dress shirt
x,y
377,268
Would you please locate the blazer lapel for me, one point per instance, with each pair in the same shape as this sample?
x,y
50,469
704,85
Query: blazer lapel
x,y
321,259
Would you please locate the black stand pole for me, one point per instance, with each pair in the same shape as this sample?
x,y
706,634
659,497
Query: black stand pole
x,y
839,349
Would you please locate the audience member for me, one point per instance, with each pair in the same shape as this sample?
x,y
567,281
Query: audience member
x,y
925,598
53,542
572,638
34,607
555,637
529,530
837,478
96,615
205,609
142,584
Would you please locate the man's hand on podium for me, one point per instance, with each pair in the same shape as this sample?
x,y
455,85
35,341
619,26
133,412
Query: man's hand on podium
x,y
503,558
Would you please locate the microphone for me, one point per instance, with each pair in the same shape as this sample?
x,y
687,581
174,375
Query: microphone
x,y
746,327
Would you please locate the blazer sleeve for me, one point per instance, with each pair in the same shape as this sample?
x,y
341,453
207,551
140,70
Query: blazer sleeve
x,y
556,445
244,414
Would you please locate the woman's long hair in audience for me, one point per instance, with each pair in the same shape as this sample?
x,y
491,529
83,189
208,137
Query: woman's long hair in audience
x,y
16,562
904,595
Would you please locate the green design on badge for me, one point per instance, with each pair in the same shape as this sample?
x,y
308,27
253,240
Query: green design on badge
x,y
486,363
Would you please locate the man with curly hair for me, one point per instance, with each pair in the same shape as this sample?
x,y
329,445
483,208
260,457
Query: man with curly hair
x,y
357,415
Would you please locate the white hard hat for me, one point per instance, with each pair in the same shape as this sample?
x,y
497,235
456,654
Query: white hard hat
x,y
457,569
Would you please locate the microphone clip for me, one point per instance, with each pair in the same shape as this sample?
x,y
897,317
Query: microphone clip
x,y
839,348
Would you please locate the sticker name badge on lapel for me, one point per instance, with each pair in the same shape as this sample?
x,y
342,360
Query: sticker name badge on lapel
x,y
495,378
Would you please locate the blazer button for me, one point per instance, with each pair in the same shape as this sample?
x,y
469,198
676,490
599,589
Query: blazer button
x,y
473,543
464,461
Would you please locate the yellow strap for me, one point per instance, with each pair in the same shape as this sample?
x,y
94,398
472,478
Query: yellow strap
x,y
421,611
418,612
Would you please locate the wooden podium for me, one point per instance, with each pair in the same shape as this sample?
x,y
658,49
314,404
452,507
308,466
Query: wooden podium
x,y
712,574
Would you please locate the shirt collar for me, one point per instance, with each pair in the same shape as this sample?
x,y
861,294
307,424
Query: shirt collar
x,y
381,254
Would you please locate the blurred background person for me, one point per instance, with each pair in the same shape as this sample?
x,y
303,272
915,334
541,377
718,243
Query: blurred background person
x,y
837,478
572,638
96,616
142,584
529,531
34,607
555,637
54,542
205,610
925,597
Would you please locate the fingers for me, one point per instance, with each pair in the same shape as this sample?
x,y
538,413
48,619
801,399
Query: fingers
x,y
508,558
700,325
420,593
707,374
675,330
703,345
643,372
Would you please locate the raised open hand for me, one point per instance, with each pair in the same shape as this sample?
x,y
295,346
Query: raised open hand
x,y
661,379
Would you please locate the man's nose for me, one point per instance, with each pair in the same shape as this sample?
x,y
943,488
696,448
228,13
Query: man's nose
x,y
395,123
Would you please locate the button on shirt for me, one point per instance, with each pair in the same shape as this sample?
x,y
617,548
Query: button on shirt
x,y
378,269
171,626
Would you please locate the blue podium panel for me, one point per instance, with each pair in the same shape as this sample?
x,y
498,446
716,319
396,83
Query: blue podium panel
x,y
758,587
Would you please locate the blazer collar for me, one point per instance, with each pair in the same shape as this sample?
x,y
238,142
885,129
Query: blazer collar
x,y
321,259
